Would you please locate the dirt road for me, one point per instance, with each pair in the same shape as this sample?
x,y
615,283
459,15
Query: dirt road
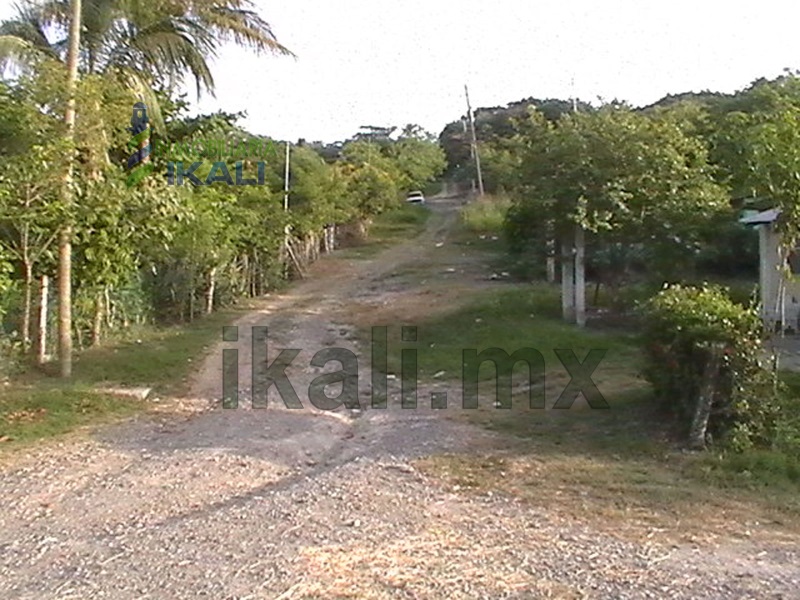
x,y
276,503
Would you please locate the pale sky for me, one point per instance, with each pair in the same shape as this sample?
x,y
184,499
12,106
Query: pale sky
x,y
375,62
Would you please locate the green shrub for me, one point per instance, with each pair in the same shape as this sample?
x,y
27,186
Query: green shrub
x,y
683,326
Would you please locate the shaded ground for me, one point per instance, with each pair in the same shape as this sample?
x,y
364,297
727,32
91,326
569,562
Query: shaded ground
x,y
198,501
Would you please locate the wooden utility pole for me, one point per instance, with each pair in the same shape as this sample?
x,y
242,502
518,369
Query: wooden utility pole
x,y
471,152
286,181
287,250
65,235
475,152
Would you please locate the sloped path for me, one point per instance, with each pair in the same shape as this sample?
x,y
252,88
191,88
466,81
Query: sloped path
x,y
256,504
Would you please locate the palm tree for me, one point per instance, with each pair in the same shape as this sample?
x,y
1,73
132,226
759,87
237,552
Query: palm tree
x,y
145,43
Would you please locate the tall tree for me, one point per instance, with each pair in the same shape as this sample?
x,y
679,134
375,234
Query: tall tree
x,y
628,180
65,235
145,44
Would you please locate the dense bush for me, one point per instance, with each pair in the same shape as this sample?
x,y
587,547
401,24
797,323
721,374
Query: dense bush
x,y
684,328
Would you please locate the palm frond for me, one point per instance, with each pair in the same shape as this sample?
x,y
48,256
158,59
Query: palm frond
x,y
17,54
174,47
237,21
23,40
244,28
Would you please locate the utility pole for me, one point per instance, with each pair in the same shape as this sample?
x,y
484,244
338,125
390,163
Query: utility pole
x,y
65,235
287,251
471,152
475,153
286,181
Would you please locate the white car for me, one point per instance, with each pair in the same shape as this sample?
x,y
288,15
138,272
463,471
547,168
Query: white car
x,y
416,197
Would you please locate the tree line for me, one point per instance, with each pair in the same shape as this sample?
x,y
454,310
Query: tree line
x,y
657,191
652,196
155,252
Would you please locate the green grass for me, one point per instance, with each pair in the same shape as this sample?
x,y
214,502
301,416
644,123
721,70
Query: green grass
x,y
31,413
628,458
38,406
487,214
776,468
390,228
162,358
518,317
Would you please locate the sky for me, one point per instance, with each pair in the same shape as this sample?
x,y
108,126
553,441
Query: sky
x,y
375,62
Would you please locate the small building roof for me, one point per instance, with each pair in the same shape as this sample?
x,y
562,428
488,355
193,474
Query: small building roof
x,y
767,216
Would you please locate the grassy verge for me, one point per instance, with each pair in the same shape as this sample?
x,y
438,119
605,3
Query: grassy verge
x,y
37,406
161,358
619,466
34,412
389,228
514,318
487,214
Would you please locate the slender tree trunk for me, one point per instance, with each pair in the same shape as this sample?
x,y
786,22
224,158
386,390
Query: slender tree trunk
x,y
551,251
580,276
212,284
97,323
191,301
328,245
44,294
28,308
567,281
111,308
697,433
65,236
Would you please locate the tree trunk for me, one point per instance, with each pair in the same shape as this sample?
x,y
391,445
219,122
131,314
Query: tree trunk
x,y
551,251
567,281
65,301
212,284
44,294
28,308
65,236
97,322
580,276
111,309
697,433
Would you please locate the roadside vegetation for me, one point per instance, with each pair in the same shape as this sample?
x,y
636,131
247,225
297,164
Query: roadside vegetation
x,y
36,405
626,468
486,214
671,284
149,258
